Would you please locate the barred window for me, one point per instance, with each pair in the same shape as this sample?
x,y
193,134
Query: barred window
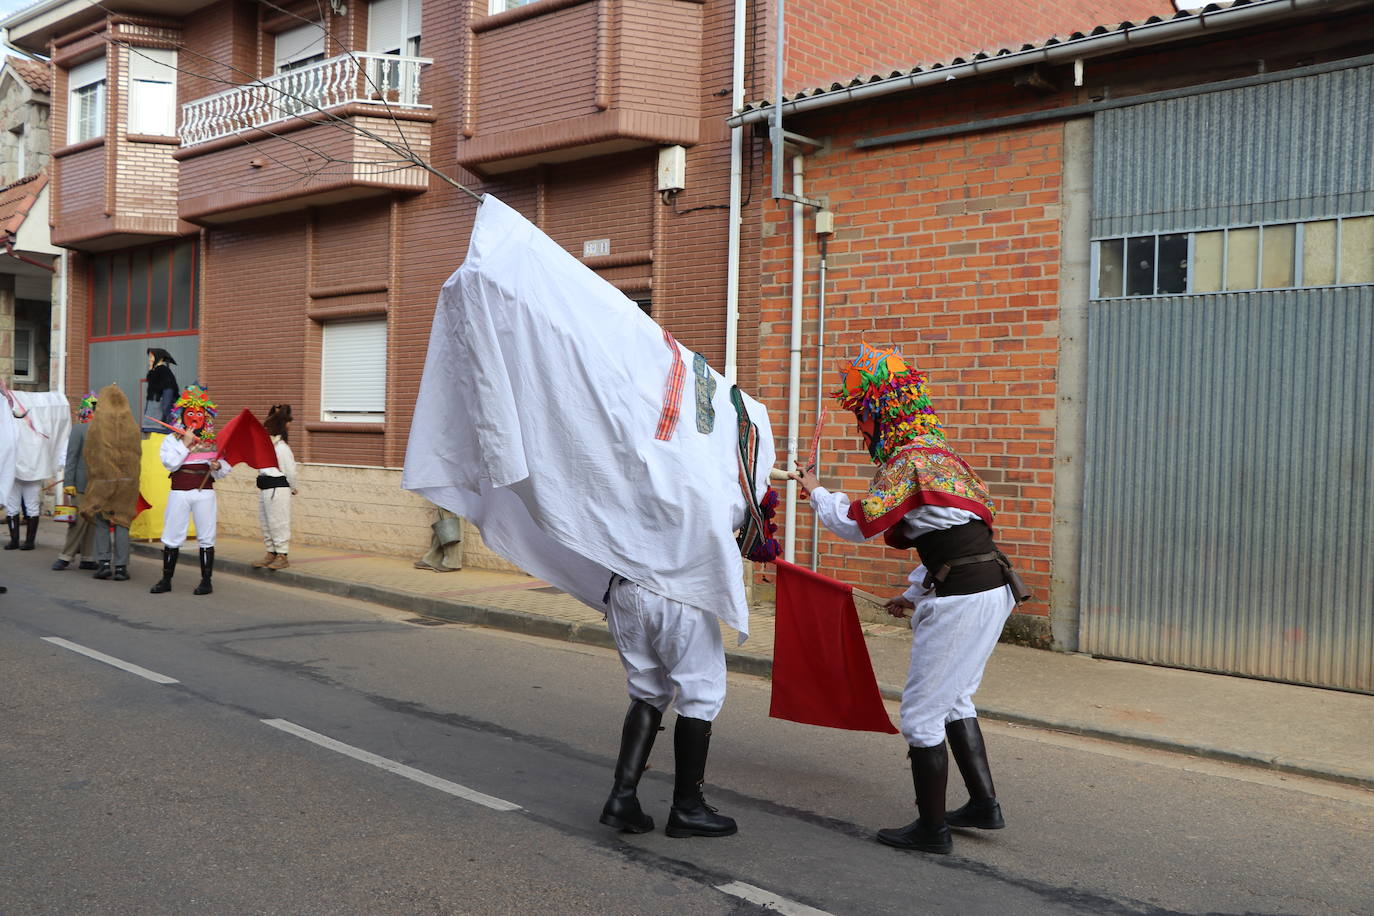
x,y
144,291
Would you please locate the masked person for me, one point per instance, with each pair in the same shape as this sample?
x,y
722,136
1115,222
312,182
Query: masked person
x,y
276,486
113,450
190,458
81,534
162,390
925,496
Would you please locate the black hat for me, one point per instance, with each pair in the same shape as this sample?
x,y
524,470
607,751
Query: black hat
x,y
162,356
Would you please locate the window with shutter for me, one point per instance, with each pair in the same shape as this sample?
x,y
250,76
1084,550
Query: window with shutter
x,y
353,372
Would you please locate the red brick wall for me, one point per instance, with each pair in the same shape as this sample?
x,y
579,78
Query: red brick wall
x,y
829,40
949,252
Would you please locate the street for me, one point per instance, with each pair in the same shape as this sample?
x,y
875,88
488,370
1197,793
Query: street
x,y
322,755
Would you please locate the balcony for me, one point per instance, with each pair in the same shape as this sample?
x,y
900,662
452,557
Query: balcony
x,y
561,80
336,130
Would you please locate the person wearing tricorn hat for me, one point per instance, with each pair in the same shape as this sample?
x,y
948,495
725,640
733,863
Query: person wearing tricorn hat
x,y
190,457
925,496
162,390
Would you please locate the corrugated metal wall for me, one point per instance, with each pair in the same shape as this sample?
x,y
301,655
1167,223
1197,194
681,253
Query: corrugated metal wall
x,y
1229,466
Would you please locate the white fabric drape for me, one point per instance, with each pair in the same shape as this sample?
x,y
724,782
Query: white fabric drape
x,y
541,394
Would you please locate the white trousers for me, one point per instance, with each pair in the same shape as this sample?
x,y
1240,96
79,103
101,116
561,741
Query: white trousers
x,y
952,638
182,506
24,494
672,653
274,515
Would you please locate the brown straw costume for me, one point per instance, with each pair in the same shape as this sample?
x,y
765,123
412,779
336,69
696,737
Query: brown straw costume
x,y
113,459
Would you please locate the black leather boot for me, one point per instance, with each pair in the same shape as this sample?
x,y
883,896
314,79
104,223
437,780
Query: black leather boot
x,y
30,532
929,832
690,815
103,571
207,569
982,810
622,809
13,522
169,566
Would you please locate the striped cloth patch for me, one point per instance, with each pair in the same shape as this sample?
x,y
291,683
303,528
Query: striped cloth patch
x,y
672,397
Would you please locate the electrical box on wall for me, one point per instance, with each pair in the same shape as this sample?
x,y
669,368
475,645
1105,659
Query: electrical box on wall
x,y
672,168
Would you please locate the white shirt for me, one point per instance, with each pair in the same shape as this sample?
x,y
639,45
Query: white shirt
x,y
173,455
833,511
286,463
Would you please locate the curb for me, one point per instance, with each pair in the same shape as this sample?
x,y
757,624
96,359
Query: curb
x,y
742,663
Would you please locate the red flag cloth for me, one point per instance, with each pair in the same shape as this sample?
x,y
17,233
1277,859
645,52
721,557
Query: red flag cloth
x,y
142,505
821,671
243,440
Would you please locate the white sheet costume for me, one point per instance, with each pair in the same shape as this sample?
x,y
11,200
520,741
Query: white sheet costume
x,y
40,453
584,441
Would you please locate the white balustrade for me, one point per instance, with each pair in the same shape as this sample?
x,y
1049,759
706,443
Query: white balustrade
x,y
364,77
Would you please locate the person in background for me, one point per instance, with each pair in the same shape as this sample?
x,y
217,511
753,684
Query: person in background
x,y
113,450
189,457
81,534
162,390
276,486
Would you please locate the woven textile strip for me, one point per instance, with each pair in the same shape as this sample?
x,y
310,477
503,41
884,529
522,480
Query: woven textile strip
x,y
672,397
755,527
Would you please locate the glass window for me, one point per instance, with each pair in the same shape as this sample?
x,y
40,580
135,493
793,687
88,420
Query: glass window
x,y
1242,258
23,353
138,291
1110,261
152,91
500,6
300,47
1277,264
100,297
119,295
1173,263
1357,250
1209,254
183,286
86,101
159,289
1140,266
353,371
1319,253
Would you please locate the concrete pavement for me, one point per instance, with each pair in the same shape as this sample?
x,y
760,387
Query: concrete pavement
x,y
1321,733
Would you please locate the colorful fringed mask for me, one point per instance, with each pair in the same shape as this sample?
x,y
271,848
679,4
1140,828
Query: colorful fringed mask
x,y
195,411
86,409
890,399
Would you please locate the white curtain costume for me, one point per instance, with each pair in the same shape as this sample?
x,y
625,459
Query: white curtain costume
x,y
536,419
951,637
40,442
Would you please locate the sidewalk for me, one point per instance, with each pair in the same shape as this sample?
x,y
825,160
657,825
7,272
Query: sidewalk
x,y
1322,733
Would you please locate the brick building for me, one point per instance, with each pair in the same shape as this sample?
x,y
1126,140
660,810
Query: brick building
x,y
1137,263
281,254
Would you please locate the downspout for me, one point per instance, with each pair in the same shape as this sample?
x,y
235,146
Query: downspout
x,y
736,204
62,324
820,385
794,362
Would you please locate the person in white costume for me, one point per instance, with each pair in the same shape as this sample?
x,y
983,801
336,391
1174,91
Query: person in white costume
x,y
189,457
584,441
42,424
276,487
961,594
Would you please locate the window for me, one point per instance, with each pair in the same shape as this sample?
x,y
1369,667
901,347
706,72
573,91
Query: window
x,y
393,27
21,159
144,291
152,91
500,6
86,101
1324,252
353,372
300,47
23,353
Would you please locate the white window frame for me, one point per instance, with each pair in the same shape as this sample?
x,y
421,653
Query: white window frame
x,y
500,6
353,371
31,332
152,91
86,81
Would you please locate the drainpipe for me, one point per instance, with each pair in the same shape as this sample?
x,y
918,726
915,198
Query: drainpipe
x,y
794,365
736,204
820,382
62,324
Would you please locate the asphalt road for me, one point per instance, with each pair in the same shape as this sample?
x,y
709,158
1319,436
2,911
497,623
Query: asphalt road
x,y
264,780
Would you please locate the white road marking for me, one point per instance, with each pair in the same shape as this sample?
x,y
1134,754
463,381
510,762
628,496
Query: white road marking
x,y
769,900
391,766
111,660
